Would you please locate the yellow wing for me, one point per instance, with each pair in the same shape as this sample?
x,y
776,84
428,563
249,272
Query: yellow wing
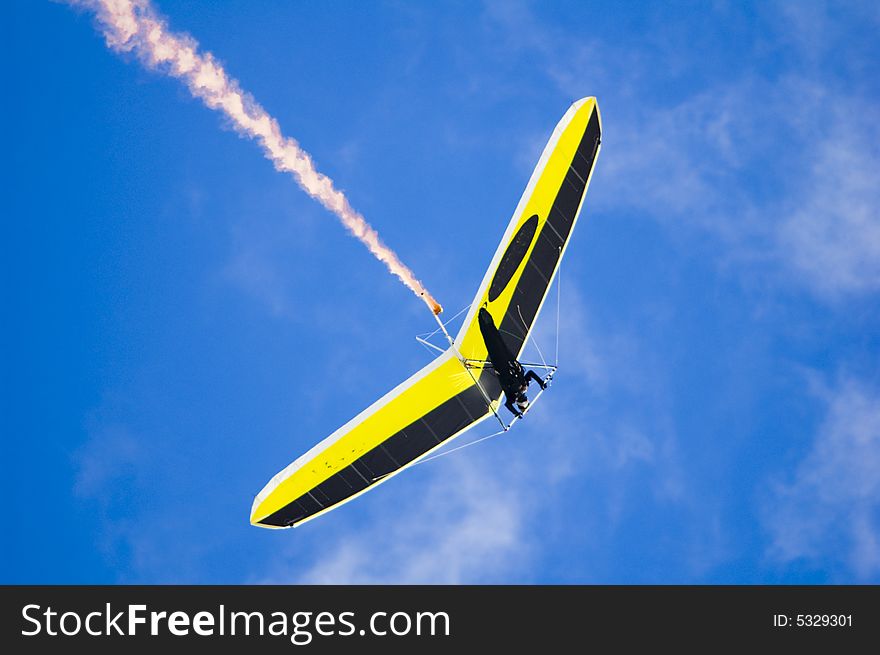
x,y
516,284
443,400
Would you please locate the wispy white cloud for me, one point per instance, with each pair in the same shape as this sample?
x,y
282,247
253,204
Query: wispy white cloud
x,y
111,454
467,526
828,509
791,182
255,274
816,31
118,477
831,235
783,169
108,473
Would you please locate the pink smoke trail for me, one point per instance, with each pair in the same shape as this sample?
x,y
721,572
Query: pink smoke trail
x,y
135,26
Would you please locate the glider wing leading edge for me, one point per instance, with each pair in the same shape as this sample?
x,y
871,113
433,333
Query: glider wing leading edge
x,y
443,399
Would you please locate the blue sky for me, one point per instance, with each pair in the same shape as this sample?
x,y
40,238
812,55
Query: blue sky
x,y
181,321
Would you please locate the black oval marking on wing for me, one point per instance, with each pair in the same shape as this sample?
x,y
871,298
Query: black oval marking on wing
x,y
512,257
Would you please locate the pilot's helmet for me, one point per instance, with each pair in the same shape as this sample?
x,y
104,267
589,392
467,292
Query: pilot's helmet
x,y
522,401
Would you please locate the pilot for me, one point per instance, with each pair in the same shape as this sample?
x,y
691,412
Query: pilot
x,y
513,378
516,399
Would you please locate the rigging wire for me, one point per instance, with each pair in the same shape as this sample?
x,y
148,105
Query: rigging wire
x,y
428,335
558,304
461,447
534,340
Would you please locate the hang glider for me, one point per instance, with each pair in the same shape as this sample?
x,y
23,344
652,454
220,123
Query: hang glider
x,y
454,392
